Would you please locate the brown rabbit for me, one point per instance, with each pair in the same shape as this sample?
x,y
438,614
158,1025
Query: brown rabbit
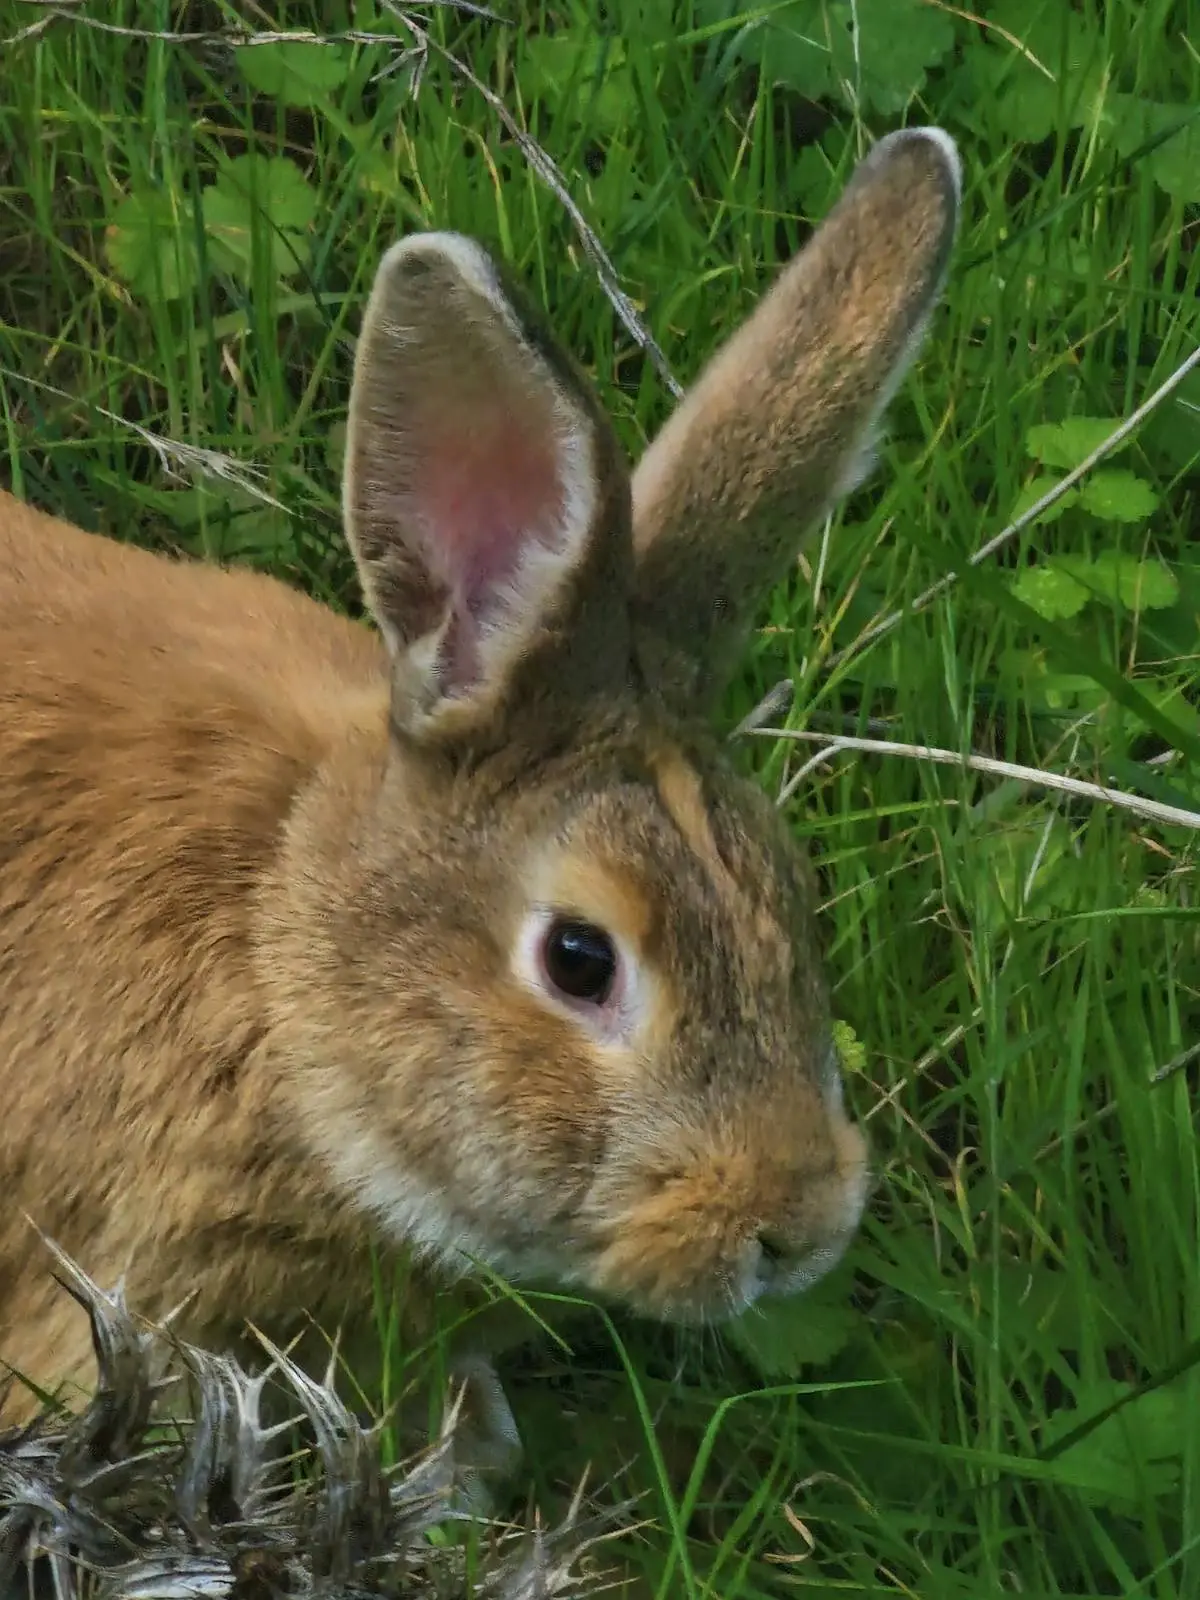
x,y
460,937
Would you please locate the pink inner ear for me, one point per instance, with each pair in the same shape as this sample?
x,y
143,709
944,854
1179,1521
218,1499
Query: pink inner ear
x,y
489,492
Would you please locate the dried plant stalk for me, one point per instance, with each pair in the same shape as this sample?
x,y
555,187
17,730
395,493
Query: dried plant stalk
x,y
113,1503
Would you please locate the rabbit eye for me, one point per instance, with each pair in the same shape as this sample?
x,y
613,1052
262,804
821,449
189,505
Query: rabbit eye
x,y
580,960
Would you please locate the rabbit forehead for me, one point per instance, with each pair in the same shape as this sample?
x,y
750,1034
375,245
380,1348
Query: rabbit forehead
x,y
604,821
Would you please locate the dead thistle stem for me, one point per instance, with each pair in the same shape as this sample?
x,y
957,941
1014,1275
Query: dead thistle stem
x,y
122,1506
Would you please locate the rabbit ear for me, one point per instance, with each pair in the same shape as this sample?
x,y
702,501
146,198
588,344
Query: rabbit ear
x,y
484,500
779,424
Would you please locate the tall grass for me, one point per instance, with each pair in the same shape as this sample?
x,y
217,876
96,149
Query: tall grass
x,y
1000,1394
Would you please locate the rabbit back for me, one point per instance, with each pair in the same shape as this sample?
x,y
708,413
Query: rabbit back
x,y
157,720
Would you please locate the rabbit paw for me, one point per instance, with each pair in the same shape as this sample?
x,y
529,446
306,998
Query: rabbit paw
x,y
488,1447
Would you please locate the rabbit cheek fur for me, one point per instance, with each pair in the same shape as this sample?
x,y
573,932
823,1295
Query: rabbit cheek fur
x,y
465,937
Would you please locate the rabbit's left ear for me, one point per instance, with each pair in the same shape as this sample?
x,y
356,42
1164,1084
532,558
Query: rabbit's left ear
x,y
779,424
485,499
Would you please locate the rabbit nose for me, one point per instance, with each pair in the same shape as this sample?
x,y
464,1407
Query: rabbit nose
x,y
778,1259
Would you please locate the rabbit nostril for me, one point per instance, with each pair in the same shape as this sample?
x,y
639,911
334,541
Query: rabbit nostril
x,y
774,1252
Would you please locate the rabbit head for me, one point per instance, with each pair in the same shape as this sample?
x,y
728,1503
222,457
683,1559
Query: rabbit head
x,y
545,969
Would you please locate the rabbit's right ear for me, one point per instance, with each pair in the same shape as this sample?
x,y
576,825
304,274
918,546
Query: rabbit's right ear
x,y
485,499
779,425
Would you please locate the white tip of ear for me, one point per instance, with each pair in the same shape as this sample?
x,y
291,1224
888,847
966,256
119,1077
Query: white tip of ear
x,y
949,150
938,137
466,260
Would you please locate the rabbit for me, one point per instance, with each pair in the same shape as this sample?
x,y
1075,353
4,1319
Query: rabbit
x,y
456,938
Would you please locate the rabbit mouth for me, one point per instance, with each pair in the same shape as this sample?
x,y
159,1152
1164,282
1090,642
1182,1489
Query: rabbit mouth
x,y
708,1236
664,1289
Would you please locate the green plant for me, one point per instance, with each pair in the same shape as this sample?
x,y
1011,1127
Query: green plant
x,y
991,1399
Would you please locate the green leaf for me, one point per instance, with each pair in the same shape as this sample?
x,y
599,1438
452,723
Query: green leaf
x,y
374,161
335,448
788,46
1062,690
1136,583
264,194
1032,105
1139,585
1033,492
1015,861
1033,1298
1050,591
814,181
850,1049
1134,1454
297,74
1173,702
1175,164
1057,76
221,519
150,245
1171,435
1118,496
782,1337
1067,443
593,66
897,42
879,50
796,59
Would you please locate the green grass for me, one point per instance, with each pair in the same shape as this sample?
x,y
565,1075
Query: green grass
x,y
1015,965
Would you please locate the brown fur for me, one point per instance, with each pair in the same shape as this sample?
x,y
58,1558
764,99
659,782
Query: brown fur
x,y
263,880
156,722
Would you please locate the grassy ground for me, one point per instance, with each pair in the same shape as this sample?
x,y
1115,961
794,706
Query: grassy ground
x,y
1000,1395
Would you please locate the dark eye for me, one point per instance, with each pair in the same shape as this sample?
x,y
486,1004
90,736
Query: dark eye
x,y
580,960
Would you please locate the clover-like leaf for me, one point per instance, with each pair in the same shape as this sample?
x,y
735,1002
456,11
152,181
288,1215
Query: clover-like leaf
x,y
1174,163
885,48
1051,592
298,74
1033,491
150,245
1118,496
782,1337
1067,443
1138,583
267,196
